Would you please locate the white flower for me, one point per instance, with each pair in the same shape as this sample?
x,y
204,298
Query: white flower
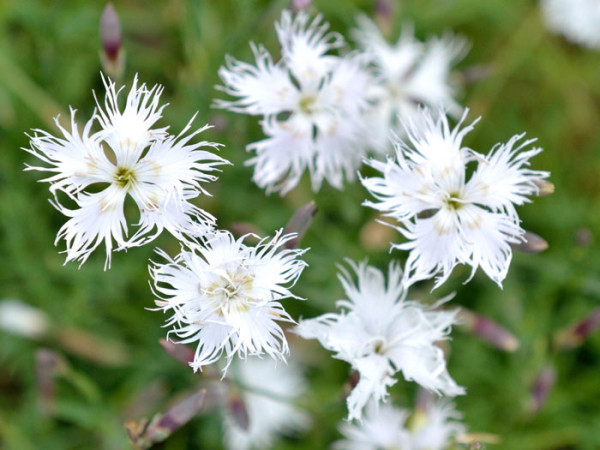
x,y
380,333
19,318
268,390
226,295
446,219
577,20
385,426
410,74
310,101
127,156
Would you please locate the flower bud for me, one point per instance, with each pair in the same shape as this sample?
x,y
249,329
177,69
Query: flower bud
x,y
576,334
532,244
112,55
489,331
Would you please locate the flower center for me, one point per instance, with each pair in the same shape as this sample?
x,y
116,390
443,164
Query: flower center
x,y
231,292
124,177
306,104
453,201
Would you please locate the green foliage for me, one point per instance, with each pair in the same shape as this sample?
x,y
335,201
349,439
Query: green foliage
x,y
538,83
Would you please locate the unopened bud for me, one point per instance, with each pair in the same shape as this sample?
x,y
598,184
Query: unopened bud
x,y
22,319
489,331
532,244
48,364
384,15
299,223
179,352
143,435
544,187
543,384
112,55
575,335
239,413
300,5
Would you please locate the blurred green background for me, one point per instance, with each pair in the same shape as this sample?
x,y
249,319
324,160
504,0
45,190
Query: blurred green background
x,y
537,82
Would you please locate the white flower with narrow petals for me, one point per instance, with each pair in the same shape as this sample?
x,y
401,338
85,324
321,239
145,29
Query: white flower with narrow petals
x,y
447,219
386,426
126,157
410,74
380,333
268,391
227,296
311,102
577,20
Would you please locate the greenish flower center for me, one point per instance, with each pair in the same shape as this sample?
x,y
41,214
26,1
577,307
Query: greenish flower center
x,y
124,177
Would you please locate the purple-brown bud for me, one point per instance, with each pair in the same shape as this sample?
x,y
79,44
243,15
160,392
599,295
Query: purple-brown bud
x,y
542,385
299,223
532,244
112,55
489,331
576,334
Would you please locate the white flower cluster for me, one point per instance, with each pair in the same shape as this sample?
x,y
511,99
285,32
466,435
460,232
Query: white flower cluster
x,y
223,294
320,112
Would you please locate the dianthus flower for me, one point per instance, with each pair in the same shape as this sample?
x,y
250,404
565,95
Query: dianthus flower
x,y
226,296
577,20
446,219
128,156
409,75
310,101
385,426
381,333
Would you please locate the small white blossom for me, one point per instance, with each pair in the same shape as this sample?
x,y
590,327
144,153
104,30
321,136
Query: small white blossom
x,y
310,101
268,390
380,333
577,20
226,295
126,157
410,74
385,426
446,219
19,318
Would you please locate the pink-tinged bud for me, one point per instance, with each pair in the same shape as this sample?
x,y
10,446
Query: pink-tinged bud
x,y
351,383
543,384
383,10
239,413
144,435
299,223
584,237
533,244
179,352
300,5
575,335
48,364
112,55
244,228
489,331
474,74
544,187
